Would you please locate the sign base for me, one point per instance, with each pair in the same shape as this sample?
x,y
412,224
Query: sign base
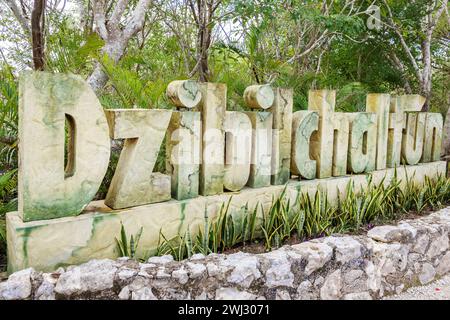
x,y
48,244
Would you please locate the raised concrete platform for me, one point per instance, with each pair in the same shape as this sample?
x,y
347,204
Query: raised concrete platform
x,y
48,244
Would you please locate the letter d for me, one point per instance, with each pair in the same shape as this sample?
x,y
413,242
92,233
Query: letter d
x,y
47,187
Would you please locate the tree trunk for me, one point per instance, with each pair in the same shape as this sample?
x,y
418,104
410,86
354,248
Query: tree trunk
x,y
114,49
204,40
116,37
37,35
425,90
445,153
425,82
203,13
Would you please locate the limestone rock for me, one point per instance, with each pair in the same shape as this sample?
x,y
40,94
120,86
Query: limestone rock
x,y
213,269
346,248
144,293
94,276
282,295
373,277
421,243
305,291
279,271
354,281
196,270
46,289
181,275
125,274
234,294
358,296
245,269
140,289
18,286
427,274
316,253
161,260
390,234
331,289
408,226
124,294
390,258
438,246
197,256
444,265
335,267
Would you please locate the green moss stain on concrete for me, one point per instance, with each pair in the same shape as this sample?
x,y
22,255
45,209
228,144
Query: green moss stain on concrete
x,y
283,175
25,234
101,242
48,244
182,214
45,100
50,208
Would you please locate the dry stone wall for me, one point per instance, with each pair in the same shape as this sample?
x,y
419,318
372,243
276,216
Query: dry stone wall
x,y
386,260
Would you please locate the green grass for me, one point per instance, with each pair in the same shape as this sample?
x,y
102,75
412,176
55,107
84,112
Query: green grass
x,y
309,216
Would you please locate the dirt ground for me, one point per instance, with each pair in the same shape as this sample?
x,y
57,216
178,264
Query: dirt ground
x,y
436,290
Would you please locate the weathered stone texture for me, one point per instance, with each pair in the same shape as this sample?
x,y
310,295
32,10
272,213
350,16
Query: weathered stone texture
x,y
363,142
238,148
261,155
213,107
184,93
259,96
398,106
281,136
337,267
341,138
304,124
413,137
45,245
433,137
134,182
379,104
47,188
323,102
183,152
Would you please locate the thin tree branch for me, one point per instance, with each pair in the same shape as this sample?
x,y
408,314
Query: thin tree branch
x,y
20,16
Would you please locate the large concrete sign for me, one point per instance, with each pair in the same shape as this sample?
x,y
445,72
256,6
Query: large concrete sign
x,y
211,154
